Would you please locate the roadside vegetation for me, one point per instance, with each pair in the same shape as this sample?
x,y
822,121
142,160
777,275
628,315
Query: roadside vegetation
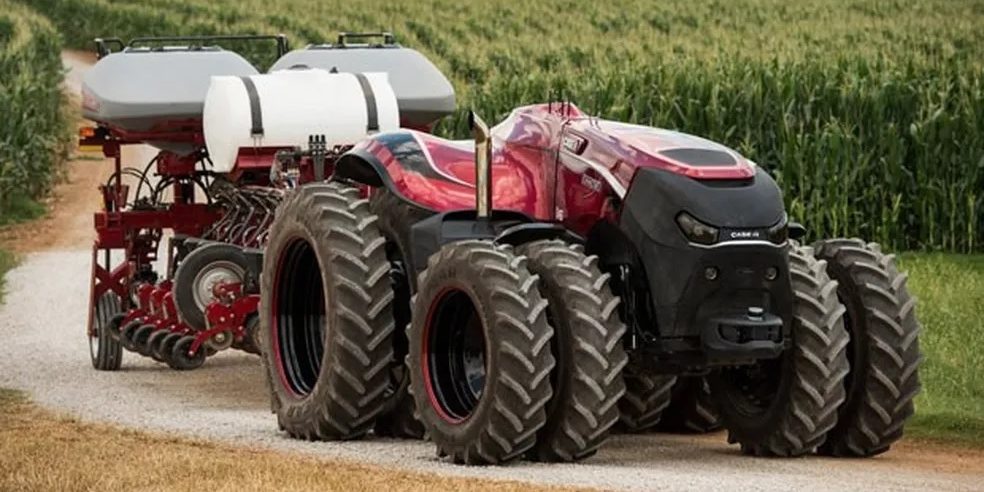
x,y
34,129
35,122
950,289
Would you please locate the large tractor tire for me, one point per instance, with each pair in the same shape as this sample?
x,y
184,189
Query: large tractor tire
x,y
691,409
105,350
395,218
786,406
883,352
196,275
326,319
646,397
480,359
587,346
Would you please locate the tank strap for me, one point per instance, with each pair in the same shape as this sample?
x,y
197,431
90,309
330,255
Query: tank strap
x,y
373,124
254,107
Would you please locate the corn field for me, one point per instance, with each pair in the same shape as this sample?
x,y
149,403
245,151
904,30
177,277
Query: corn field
x,y
33,124
869,112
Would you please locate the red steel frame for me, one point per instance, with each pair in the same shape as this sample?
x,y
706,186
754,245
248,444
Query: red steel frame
x,y
138,232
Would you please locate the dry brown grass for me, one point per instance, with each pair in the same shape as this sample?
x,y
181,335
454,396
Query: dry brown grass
x,y
44,452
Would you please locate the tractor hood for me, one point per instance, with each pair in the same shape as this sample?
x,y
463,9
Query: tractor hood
x,y
623,148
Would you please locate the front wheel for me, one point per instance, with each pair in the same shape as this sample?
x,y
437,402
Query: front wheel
x,y
479,355
884,349
587,344
786,406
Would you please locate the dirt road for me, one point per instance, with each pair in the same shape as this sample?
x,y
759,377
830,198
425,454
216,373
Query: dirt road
x,y
45,353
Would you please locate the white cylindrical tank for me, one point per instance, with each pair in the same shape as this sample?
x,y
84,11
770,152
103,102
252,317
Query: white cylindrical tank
x,y
293,104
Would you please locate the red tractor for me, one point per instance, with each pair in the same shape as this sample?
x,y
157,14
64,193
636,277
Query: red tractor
x,y
556,276
512,296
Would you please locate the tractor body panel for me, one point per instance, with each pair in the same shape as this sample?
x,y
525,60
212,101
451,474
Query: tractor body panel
x,y
553,165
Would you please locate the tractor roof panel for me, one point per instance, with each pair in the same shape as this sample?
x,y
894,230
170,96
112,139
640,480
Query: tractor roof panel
x,y
138,89
423,93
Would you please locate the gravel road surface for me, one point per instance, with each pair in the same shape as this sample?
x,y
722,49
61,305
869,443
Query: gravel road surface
x,y
45,352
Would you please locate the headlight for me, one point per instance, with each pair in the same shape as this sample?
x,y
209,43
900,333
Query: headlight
x,y
695,230
779,233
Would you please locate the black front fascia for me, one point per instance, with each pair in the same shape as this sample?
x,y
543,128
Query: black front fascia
x,y
690,302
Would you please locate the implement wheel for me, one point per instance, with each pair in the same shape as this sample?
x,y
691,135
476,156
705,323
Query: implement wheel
x,y
786,406
181,360
140,337
884,349
163,350
587,345
326,318
480,357
198,273
152,347
127,334
105,350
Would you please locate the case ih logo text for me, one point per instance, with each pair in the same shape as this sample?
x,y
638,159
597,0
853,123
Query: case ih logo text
x,y
745,234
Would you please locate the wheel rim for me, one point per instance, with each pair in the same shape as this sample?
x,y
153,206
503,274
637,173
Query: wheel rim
x,y
454,356
212,274
299,318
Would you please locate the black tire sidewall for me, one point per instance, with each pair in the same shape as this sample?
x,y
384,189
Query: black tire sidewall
x,y
293,228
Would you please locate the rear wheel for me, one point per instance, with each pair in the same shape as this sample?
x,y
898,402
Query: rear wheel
x,y
198,273
105,350
691,409
326,320
480,357
786,406
884,349
395,218
587,345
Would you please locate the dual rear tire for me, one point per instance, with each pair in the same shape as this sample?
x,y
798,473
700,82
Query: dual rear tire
x,y
516,352
326,318
846,387
883,353
480,357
